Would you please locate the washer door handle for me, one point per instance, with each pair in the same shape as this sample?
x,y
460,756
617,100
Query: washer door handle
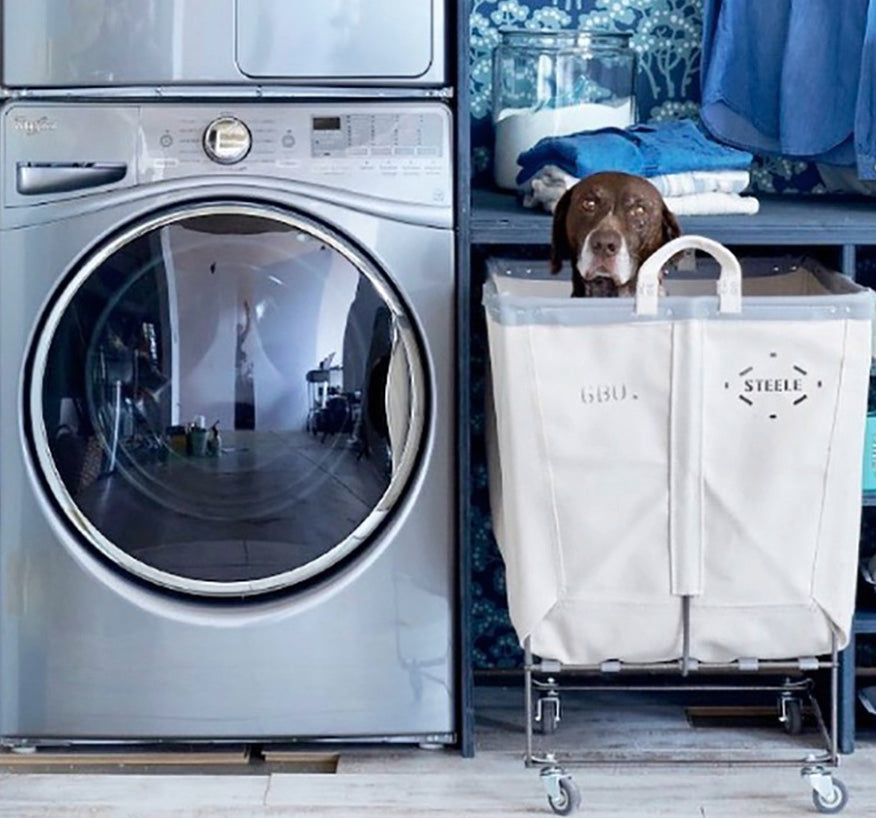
x,y
34,178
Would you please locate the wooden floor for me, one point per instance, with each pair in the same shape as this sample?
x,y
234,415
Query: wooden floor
x,y
400,781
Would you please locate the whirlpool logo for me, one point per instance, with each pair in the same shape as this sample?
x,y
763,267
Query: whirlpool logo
x,y
774,385
33,126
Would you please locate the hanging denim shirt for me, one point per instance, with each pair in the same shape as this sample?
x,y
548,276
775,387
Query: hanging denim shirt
x,y
865,115
792,77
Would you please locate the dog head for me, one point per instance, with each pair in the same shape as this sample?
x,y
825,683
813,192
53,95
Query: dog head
x,y
607,225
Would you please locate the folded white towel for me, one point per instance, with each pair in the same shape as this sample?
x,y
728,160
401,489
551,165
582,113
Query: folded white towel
x,y
679,191
712,204
701,181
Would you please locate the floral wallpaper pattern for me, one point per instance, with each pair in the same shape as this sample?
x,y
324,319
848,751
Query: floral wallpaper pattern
x,y
666,35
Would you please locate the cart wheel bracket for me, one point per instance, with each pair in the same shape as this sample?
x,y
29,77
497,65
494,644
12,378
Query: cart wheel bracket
x,y
563,795
829,794
550,779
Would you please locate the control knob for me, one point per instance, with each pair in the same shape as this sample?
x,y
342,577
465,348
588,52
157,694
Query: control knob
x,y
227,140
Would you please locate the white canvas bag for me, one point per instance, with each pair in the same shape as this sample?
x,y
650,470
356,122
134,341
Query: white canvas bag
x,y
694,450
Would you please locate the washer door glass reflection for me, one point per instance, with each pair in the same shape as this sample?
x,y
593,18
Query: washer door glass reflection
x,y
231,401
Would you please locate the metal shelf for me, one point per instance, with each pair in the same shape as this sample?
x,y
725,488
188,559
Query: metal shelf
x,y
498,218
865,622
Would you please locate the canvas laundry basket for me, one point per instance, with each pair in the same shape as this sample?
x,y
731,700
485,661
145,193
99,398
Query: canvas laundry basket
x,y
697,450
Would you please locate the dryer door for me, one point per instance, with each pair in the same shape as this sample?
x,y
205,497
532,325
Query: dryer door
x,y
122,43
330,40
227,400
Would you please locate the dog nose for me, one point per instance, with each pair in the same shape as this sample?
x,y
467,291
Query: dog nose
x,y
605,242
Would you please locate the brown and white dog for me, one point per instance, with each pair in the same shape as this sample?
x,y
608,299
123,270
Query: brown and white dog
x,y
607,224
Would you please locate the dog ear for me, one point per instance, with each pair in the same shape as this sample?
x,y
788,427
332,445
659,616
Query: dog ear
x,y
671,230
560,248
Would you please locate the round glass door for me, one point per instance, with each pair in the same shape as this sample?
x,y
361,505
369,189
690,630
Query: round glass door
x,y
227,400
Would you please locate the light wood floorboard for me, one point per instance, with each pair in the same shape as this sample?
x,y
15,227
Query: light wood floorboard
x,y
388,781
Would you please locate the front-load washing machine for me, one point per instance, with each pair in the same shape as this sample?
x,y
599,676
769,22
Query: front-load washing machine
x,y
226,422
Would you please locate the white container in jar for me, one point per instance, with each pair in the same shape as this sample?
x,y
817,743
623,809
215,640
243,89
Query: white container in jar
x,y
555,83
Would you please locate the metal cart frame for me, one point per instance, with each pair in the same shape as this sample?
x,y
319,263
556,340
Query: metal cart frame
x,y
829,794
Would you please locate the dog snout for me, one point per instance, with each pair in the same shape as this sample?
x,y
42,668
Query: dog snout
x,y
605,242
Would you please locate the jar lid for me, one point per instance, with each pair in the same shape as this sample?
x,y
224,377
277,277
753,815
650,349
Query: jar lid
x,y
569,38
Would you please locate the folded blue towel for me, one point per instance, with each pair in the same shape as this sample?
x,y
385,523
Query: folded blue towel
x,y
673,146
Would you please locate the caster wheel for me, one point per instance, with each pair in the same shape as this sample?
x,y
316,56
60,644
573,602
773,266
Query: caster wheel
x,y
568,800
793,717
550,715
837,800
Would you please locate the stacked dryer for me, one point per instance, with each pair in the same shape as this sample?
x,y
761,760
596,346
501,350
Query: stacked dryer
x,y
206,205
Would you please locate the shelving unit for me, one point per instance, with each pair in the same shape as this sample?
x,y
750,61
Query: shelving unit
x,y
489,220
864,624
817,224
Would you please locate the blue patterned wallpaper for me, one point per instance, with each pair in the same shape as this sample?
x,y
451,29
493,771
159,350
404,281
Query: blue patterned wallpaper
x,y
666,35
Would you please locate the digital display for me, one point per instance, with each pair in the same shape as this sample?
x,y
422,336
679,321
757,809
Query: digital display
x,y
326,123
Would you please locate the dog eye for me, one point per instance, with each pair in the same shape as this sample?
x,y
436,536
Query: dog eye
x,y
638,210
589,205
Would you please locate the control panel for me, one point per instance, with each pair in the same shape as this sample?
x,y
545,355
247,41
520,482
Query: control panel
x,y
397,152
380,149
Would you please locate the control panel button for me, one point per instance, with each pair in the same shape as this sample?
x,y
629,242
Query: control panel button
x,y
227,140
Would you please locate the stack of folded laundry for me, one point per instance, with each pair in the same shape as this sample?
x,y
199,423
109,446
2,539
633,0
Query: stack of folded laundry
x,y
695,174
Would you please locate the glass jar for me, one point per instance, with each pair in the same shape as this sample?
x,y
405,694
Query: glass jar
x,y
554,83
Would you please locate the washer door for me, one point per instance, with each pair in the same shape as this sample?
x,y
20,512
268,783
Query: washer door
x,y
227,400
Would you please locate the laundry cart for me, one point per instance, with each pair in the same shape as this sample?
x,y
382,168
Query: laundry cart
x,y
676,477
